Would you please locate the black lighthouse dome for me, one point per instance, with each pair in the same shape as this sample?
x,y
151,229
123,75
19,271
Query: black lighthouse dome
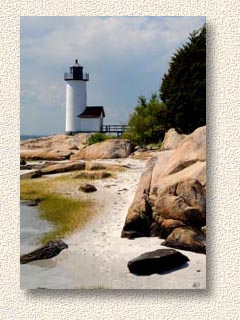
x,y
76,73
76,64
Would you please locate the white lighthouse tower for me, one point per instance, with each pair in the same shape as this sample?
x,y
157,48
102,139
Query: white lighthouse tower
x,y
79,117
76,96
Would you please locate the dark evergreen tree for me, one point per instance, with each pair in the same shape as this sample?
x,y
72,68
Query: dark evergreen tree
x,y
183,88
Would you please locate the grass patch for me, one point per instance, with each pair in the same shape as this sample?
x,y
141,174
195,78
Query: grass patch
x,y
65,214
93,175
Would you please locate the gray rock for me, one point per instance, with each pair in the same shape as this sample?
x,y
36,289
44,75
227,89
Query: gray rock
x,y
47,251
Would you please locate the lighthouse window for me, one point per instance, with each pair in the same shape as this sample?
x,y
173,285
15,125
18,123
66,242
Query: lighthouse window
x,y
71,69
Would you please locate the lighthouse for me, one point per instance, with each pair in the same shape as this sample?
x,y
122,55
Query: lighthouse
x,y
79,116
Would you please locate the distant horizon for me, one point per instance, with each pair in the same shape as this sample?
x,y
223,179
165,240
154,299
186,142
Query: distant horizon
x,y
125,57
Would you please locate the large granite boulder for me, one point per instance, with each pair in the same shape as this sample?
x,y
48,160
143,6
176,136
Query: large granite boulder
x,y
61,142
109,149
138,219
158,261
184,201
172,190
45,154
187,238
187,161
172,139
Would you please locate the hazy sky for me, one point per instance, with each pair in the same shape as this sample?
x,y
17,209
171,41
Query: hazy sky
x,y
125,57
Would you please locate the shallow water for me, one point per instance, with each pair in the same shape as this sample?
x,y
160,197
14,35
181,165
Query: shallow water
x,y
32,227
37,274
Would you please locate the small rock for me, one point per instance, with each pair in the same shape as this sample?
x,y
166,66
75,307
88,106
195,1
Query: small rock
x,y
159,261
22,162
31,175
87,188
34,203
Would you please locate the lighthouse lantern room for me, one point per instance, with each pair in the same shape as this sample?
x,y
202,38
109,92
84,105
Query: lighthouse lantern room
x,y
79,116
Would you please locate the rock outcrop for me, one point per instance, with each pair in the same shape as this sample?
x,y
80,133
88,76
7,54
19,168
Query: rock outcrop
x,y
109,149
159,261
172,139
64,167
45,154
57,142
56,147
61,147
172,193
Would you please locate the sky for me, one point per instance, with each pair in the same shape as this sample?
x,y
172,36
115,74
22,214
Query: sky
x,y
125,57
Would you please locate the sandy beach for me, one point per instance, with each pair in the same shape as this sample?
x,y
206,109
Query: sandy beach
x,y
97,256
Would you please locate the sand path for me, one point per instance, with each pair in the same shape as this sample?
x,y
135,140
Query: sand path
x,y
98,256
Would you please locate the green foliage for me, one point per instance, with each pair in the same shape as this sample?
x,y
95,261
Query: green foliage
x,y
99,137
147,123
183,88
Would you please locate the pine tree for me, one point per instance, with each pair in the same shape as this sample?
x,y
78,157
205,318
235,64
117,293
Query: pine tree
x,y
183,88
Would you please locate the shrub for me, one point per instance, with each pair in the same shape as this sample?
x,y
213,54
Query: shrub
x,y
147,122
99,137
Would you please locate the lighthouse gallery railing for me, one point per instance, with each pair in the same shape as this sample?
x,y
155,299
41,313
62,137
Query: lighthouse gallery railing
x,y
69,76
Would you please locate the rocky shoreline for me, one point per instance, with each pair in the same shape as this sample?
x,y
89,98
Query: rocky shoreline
x,y
169,201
